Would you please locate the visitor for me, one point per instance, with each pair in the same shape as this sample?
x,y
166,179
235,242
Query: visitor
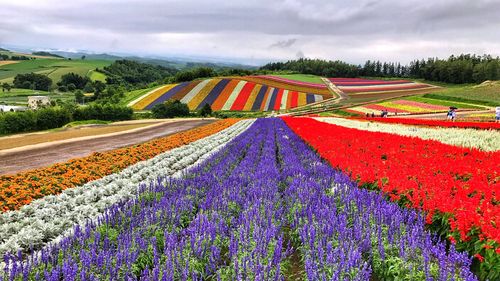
x,y
497,114
373,114
453,115
367,115
449,114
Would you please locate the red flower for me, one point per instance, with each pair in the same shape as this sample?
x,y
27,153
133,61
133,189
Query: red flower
x,y
479,257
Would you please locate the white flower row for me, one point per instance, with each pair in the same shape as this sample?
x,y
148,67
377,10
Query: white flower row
x,y
51,218
487,140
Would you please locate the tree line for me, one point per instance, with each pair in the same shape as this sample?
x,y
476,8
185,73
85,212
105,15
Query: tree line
x,y
464,68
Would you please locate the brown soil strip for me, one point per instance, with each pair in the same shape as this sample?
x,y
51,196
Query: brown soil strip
x,y
84,131
6,62
22,160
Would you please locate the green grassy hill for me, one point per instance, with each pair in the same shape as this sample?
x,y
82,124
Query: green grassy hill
x,y
52,67
20,96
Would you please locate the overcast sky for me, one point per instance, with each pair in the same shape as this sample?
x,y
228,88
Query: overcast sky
x,y
257,31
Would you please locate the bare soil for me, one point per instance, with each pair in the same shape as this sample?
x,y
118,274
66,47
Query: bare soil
x,y
26,159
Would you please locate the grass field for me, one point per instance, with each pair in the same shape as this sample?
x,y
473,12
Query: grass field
x,y
488,93
470,105
53,68
97,76
302,78
20,96
132,95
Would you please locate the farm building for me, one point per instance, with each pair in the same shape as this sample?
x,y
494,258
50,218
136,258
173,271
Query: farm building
x,y
35,102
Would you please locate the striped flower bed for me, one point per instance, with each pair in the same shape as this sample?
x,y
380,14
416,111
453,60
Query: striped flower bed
x,y
360,86
232,94
291,82
399,106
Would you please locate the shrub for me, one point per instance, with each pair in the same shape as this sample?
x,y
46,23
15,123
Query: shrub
x,y
170,109
206,110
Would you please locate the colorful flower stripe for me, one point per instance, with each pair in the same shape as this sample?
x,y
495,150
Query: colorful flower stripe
x,y
243,96
195,91
21,189
214,94
184,91
362,80
152,96
224,95
382,88
454,184
440,123
485,140
380,107
203,93
421,105
413,108
231,94
252,98
366,82
169,94
276,84
291,81
260,98
20,230
232,97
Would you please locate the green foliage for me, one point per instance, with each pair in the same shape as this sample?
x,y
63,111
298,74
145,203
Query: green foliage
x,y
170,109
192,74
135,74
73,81
316,67
239,114
46,54
106,112
47,118
32,81
206,110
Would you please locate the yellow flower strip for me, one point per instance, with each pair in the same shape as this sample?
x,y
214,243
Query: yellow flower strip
x,y
152,96
202,94
302,99
252,97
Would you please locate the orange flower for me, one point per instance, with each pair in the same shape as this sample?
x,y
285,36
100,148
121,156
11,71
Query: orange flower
x,y
20,189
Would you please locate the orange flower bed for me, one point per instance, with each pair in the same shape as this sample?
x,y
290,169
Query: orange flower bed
x,y
20,189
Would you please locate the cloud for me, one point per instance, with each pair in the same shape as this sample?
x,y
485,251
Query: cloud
x,y
257,31
284,43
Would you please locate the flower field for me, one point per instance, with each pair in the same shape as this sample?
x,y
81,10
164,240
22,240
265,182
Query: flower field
x,y
456,187
20,189
440,123
400,107
252,202
248,93
361,86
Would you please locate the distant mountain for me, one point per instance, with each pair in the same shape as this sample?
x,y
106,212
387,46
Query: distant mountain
x,y
4,50
88,56
46,54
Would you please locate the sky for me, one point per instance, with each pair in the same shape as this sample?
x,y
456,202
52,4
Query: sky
x,y
255,32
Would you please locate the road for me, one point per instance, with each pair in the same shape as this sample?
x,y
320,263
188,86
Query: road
x,y
35,157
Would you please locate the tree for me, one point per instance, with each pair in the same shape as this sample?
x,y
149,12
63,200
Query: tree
x,y
170,109
206,110
32,81
83,57
79,97
6,87
75,79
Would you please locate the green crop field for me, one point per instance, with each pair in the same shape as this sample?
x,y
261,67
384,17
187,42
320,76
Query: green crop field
x,y
132,95
20,96
488,93
97,76
53,68
302,78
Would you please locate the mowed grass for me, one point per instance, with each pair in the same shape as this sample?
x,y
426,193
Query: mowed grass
x,y
53,68
302,78
20,96
487,93
470,105
97,76
133,95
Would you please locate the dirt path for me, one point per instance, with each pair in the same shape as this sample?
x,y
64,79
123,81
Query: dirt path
x,y
16,161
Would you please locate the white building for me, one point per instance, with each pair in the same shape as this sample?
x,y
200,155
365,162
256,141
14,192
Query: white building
x,y
35,102
11,108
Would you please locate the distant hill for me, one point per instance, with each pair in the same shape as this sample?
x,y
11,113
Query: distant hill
x,y
88,56
46,54
4,50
